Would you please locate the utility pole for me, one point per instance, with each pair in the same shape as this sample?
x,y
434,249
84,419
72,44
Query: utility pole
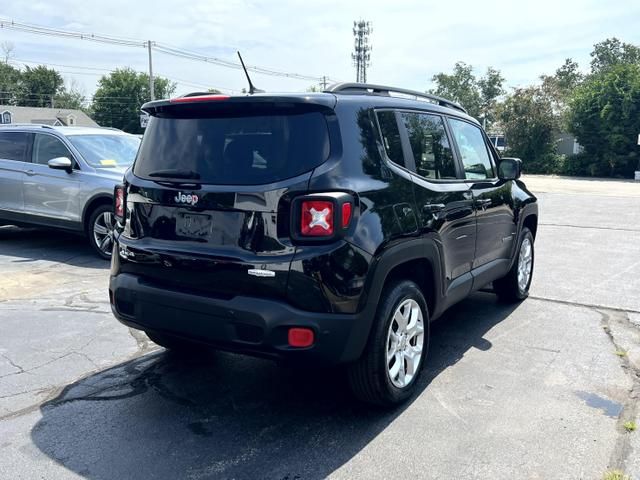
x,y
324,82
151,89
362,50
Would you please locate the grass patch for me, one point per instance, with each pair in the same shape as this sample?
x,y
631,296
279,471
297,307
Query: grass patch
x,y
630,426
615,475
621,353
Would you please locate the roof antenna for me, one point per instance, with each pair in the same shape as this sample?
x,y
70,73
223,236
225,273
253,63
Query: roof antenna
x,y
252,89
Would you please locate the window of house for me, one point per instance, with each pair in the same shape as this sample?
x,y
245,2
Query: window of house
x,y
391,137
430,146
473,150
6,117
71,120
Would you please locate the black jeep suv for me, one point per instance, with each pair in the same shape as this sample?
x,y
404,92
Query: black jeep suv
x,y
330,227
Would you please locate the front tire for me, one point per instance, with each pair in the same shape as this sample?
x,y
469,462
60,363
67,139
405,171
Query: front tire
x,y
390,366
100,231
514,286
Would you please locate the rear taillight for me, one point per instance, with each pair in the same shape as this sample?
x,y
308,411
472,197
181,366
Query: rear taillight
x,y
317,218
346,214
118,202
321,216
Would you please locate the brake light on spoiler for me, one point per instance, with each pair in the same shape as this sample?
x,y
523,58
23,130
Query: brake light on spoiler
x,y
199,98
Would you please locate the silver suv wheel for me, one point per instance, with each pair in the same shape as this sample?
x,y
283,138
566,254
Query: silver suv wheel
x,y
102,230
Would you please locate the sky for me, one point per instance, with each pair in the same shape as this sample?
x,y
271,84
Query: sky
x,y
412,40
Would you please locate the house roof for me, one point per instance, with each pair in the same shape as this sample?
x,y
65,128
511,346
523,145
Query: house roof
x,y
47,116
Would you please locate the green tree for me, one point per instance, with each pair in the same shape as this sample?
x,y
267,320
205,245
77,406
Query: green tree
x,y
478,96
460,86
120,95
38,86
605,117
9,84
559,88
70,97
611,52
530,123
490,91
561,85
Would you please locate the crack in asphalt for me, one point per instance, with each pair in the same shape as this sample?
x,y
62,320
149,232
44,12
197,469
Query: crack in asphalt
x,y
143,344
623,447
585,305
631,406
590,227
13,364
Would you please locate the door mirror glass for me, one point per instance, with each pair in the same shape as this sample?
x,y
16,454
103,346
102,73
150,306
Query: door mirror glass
x,y
60,163
510,168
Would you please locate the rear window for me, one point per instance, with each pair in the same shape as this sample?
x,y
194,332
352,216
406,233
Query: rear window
x,y
13,146
235,149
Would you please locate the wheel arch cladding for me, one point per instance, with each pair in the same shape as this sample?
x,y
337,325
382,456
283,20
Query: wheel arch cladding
x,y
420,271
95,202
531,222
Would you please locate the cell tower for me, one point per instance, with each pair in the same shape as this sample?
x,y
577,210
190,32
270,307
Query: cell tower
x,y
362,49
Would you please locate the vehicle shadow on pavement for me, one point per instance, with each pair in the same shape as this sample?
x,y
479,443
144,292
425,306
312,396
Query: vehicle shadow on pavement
x,y
31,244
226,416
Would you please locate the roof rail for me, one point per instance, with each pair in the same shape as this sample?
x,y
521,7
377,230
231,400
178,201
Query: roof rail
x,y
369,89
41,125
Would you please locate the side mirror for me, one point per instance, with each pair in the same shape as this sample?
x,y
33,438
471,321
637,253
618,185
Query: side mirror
x,y
509,168
61,163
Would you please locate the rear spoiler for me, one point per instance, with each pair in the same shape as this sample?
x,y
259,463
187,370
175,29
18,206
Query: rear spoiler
x,y
223,102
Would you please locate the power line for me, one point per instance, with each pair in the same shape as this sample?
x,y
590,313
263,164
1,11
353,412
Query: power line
x,y
17,61
161,48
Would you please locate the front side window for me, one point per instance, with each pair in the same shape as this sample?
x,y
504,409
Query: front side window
x,y
473,150
430,146
13,146
391,137
47,147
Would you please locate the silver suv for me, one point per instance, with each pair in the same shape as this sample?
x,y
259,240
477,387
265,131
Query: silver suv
x,y
63,177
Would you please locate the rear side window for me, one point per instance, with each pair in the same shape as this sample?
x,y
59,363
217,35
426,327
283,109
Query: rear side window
x,y
235,149
473,150
13,146
391,137
430,146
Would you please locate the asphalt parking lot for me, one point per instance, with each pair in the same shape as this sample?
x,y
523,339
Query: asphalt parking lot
x,y
540,390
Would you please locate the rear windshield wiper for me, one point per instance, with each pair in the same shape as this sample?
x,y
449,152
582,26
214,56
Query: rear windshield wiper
x,y
175,173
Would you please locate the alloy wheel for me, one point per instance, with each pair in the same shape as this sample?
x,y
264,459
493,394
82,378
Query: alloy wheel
x,y
525,264
103,232
405,340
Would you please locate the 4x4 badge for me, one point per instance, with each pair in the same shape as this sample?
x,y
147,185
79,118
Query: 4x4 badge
x,y
190,199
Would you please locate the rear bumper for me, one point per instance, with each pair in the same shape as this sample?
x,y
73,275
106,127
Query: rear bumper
x,y
243,324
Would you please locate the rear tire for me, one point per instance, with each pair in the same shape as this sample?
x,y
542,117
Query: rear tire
x,y
514,286
390,366
100,230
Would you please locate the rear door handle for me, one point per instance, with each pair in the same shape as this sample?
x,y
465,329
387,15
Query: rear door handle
x,y
433,207
483,202
31,173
